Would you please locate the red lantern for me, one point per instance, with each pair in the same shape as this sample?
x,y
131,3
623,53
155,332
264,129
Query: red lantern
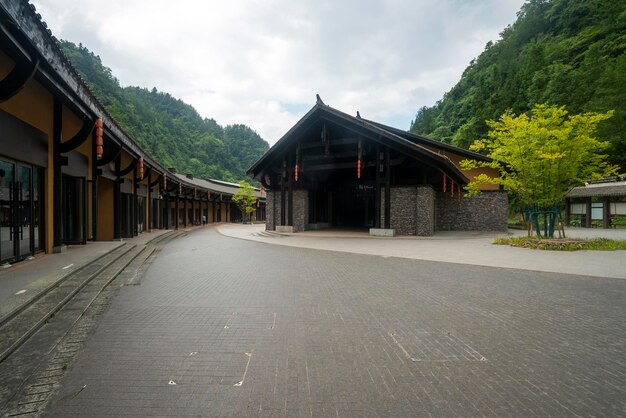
x,y
140,168
444,182
296,172
164,181
99,140
358,169
260,190
180,188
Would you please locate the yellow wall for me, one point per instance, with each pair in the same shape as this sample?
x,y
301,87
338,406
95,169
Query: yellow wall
x,y
224,217
471,174
33,105
6,65
105,209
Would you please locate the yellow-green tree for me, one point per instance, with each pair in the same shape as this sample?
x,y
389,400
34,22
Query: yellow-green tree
x,y
243,198
541,155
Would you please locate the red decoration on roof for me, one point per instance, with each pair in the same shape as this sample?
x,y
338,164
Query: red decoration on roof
x,y
99,140
140,168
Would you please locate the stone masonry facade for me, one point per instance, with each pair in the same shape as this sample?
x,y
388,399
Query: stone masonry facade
x,y
272,207
412,210
485,212
403,210
415,211
425,225
300,210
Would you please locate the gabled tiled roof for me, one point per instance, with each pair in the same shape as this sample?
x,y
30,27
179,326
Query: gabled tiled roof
x,y
413,145
617,188
214,186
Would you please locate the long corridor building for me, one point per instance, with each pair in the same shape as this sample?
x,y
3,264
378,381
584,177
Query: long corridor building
x,y
68,172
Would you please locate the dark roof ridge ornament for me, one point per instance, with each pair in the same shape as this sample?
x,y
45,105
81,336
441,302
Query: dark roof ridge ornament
x,y
319,99
358,115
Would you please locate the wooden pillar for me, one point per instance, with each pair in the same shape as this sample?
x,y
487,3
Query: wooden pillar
x,y
377,189
135,208
176,214
588,214
166,220
387,191
568,210
57,180
290,199
193,211
94,191
185,217
149,208
606,212
282,193
117,200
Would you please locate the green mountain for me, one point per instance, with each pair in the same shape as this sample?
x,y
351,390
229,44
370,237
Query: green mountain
x,y
170,130
562,52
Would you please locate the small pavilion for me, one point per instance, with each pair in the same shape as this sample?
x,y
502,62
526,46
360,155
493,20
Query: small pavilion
x,y
597,203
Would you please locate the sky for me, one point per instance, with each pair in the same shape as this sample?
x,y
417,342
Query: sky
x,y
261,62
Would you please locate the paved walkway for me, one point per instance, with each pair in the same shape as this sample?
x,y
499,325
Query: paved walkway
x,y
473,248
25,279
229,327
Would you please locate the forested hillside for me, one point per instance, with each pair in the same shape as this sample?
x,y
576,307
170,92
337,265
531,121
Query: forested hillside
x,y
170,130
562,52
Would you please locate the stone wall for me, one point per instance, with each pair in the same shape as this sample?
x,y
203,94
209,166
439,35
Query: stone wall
x,y
485,212
403,210
272,215
425,219
300,210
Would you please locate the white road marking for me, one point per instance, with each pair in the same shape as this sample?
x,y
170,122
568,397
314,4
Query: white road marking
x,y
239,384
21,291
68,266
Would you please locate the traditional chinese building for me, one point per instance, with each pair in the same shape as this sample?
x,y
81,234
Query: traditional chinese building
x,y
336,170
68,172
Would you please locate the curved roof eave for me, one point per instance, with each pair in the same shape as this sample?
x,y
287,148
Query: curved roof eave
x,y
410,148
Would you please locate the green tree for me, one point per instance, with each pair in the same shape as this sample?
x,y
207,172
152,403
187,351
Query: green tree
x,y
171,131
243,198
542,155
563,52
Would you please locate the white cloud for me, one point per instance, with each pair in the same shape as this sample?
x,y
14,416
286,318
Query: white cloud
x,y
262,62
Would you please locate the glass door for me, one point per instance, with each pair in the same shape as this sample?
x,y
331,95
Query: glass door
x,y
7,212
24,216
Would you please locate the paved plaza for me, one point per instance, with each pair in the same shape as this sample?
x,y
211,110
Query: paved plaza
x,y
228,327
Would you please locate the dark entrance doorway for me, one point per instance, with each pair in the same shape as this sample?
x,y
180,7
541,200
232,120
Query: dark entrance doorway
x,y
74,210
21,210
342,201
353,204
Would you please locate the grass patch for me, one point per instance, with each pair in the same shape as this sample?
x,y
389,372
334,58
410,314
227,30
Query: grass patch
x,y
601,244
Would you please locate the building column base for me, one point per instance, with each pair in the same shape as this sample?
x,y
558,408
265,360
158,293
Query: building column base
x,y
382,232
59,249
284,228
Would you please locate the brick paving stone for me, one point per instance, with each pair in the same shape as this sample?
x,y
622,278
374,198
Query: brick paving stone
x,y
316,333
